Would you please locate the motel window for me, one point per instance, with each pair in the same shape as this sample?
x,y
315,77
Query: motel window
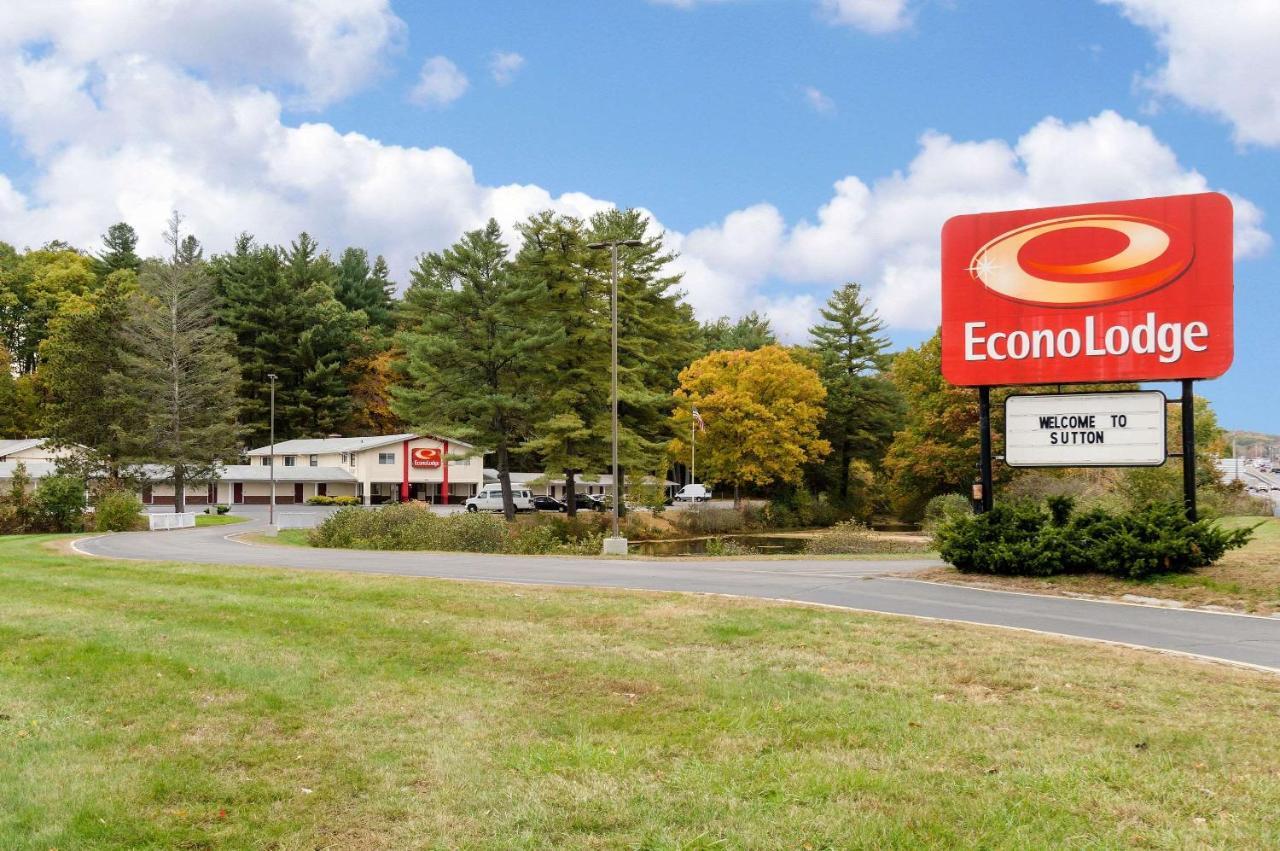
x,y
386,457
314,461
290,460
266,460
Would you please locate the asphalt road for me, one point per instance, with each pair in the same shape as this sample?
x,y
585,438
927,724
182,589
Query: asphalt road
x,y
876,586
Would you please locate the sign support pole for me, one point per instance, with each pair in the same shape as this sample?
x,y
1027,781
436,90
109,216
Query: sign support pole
x,y
1189,448
984,437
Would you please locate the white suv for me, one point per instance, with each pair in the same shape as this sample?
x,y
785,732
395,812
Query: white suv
x,y
490,499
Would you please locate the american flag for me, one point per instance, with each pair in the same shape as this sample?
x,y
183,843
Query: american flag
x,y
697,420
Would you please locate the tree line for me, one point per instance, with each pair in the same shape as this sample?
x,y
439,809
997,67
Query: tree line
x,y
166,360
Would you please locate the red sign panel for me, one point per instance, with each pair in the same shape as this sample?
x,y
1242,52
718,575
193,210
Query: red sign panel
x,y
1118,291
422,456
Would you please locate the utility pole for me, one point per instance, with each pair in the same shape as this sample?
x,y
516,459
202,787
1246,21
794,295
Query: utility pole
x,y
271,508
616,545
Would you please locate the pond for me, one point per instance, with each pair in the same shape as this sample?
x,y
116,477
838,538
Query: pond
x,y
762,544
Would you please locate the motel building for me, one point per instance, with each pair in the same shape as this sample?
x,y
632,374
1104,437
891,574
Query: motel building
x,y
35,455
374,470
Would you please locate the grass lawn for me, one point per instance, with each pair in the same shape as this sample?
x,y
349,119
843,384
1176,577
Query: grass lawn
x,y
1247,579
150,705
218,519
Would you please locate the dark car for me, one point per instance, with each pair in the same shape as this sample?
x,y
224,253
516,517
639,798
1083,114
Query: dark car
x,y
547,503
586,502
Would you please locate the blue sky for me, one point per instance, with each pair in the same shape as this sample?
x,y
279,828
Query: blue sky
x,y
731,121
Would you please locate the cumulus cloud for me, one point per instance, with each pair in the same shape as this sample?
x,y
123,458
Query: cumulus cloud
x,y
885,233
1218,57
817,101
317,51
504,65
440,83
873,16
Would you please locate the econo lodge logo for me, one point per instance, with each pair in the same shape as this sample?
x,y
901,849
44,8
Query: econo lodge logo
x,y
427,457
1076,261
1116,291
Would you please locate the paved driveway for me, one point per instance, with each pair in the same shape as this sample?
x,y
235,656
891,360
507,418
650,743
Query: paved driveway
x,y
877,586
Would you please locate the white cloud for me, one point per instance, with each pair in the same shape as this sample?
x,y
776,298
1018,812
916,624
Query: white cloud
x,y
318,51
873,16
439,84
885,233
817,101
1219,57
504,65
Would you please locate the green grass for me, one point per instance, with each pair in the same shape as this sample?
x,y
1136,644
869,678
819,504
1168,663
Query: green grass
x,y
218,519
148,705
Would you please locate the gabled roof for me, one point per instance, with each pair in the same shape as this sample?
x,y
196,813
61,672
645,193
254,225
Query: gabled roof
x,y
260,473
328,445
11,447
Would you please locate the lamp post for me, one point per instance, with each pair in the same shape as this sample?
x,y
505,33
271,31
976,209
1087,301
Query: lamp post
x,y
271,508
617,545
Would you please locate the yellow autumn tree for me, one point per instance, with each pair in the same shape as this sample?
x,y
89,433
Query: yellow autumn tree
x,y
761,411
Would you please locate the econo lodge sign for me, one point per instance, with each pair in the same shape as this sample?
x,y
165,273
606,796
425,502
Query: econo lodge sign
x,y
1118,291
425,457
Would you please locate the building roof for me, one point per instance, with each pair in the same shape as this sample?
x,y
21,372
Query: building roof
x,y
491,477
262,473
329,445
11,447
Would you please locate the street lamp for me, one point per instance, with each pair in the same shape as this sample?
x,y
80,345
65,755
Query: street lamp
x,y
271,508
617,545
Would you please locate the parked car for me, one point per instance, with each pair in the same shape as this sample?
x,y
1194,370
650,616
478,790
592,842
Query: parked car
x,y
586,502
547,503
693,493
490,499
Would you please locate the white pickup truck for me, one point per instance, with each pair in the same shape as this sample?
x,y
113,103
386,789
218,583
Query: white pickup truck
x,y
490,499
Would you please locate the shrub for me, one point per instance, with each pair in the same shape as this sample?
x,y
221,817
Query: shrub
x,y
345,500
408,526
944,507
118,510
17,508
718,546
852,538
59,504
320,500
223,509
717,521
1024,540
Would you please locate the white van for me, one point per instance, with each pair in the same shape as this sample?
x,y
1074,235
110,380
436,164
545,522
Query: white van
x,y
693,493
490,499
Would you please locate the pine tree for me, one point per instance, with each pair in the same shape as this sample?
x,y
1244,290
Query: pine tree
x,y
120,241
85,343
178,375
362,287
468,344
749,333
863,407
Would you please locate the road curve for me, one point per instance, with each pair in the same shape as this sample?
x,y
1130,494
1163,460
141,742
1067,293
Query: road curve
x,y
875,586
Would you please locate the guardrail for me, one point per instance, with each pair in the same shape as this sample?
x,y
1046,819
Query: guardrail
x,y
161,522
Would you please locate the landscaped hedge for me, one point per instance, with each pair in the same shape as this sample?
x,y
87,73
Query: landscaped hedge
x,y
333,500
1026,540
410,526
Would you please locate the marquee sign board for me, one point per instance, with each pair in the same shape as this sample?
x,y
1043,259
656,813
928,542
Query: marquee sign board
x,y
425,457
1117,291
1085,430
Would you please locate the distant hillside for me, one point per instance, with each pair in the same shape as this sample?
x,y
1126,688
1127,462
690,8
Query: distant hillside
x,y
1253,444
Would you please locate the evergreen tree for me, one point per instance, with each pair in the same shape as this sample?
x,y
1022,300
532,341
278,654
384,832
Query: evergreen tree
x,y
863,407
749,333
571,428
85,343
360,286
468,344
120,241
178,375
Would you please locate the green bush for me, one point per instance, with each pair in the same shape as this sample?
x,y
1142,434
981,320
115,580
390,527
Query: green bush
x,y
1025,540
409,526
320,500
700,520
853,538
17,508
799,509
719,546
944,507
345,500
118,510
223,509
59,504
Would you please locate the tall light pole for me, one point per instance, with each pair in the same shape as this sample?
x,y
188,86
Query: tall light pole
x,y
617,545
271,508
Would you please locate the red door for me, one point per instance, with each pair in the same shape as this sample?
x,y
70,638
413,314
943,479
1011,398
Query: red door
x,y
322,489
237,493
297,492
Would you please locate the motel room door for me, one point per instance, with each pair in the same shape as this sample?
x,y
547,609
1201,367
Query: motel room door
x,y
237,493
297,493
